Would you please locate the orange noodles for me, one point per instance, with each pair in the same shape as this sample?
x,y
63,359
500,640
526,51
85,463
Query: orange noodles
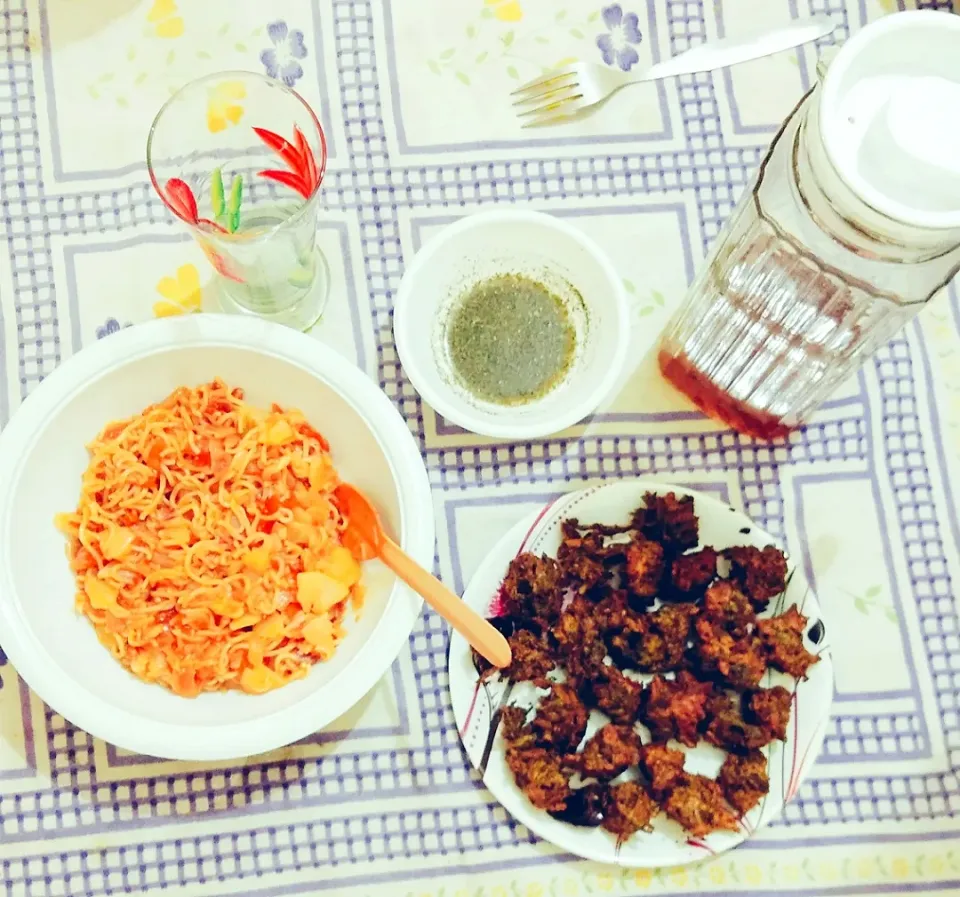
x,y
207,544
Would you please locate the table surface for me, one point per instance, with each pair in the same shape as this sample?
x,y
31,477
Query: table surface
x,y
413,99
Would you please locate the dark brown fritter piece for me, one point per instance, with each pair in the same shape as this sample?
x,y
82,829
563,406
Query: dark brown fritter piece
x,y
628,809
782,639
739,663
663,767
514,727
539,776
613,613
770,707
698,804
728,729
675,708
508,626
725,605
670,520
531,658
585,806
663,643
576,625
610,750
744,780
581,556
761,573
616,695
561,719
531,587
644,568
691,573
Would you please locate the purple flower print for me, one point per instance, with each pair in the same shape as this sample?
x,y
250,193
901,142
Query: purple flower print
x,y
617,46
111,325
3,663
280,60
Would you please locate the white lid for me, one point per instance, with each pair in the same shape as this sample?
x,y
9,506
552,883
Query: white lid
x,y
890,118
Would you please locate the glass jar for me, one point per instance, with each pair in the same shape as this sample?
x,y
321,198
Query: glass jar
x,y
803,285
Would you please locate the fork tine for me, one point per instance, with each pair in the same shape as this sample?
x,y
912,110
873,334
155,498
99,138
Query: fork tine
x,y
545,97
556,110
554,104
543,80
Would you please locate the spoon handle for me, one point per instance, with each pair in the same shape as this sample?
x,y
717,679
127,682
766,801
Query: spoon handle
x,y
478,632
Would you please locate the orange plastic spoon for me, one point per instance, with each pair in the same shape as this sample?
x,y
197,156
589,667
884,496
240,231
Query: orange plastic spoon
x,y
364,531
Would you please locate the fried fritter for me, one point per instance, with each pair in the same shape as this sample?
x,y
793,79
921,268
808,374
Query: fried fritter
x,y
655,642
663,767
561,719
728,729
670,520
609,751
539,776
698,804
531,587
507,625
616,695
531,658
744,780
644,568
585,806
628,809
581,557
737,662
770,707
761,573
576,625
782,639
514,727
691,573
726,606
675,708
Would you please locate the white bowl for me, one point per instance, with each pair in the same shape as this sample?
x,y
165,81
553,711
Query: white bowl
x,y
546,249
42,457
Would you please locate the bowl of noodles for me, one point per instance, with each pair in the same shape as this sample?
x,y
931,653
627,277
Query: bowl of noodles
x,y
178,577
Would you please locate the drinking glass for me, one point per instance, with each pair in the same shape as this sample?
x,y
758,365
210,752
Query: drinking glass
x,y
239,158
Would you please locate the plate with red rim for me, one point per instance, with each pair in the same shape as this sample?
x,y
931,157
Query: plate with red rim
x,y
476,701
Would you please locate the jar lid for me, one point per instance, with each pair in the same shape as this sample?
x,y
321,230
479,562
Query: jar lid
x,y
890,119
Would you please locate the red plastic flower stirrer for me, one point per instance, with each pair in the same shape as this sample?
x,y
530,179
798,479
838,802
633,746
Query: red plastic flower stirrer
x,y
304,175
181,200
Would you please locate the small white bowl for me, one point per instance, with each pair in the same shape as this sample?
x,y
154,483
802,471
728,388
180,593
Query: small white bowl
x,y
42,457
545,249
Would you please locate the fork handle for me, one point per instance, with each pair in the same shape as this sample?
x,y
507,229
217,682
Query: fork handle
x,y
733,50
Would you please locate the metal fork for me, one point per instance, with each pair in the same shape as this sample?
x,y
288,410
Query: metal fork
x,y
566,92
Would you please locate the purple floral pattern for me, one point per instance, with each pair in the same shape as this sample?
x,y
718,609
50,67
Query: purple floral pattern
x,y
280,60
618,45
111,325
3,663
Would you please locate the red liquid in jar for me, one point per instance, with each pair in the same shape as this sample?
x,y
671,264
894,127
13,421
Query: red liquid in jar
x,y
717,403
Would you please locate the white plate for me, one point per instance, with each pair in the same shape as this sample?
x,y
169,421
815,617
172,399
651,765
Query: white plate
x,y
474,703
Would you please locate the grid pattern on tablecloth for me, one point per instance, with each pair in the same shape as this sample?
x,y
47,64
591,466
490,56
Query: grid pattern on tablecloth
x,y
78,801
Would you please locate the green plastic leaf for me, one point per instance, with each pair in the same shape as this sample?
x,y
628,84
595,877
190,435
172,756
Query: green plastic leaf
x,y
513,73
236,195
462,76
433,66
508,38
217,201
448,53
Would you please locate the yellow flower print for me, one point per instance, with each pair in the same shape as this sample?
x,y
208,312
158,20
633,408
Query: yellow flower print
x,y
605,881
223,108
163,16
506,10
533,890
182,294
752,874
828,872
679,877
717,874
937,866
866,868
499,891
643,878
900,868
571,888
791,873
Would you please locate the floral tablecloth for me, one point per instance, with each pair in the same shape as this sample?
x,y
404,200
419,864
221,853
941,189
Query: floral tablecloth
x,y
412,97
